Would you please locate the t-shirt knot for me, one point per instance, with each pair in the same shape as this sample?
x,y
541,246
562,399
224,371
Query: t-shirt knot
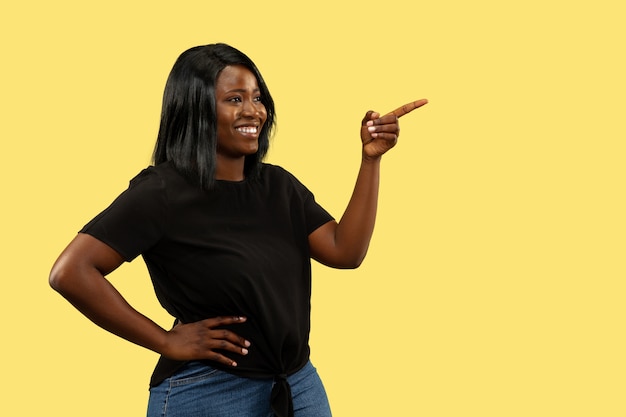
x,y
282,402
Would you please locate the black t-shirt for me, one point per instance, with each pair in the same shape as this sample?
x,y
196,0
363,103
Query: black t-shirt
x,y
240,249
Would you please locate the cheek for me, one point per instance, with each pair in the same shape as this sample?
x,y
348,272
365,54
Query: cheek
x,y
222,118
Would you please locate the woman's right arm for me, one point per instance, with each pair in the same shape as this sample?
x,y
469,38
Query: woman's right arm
x,y
79,276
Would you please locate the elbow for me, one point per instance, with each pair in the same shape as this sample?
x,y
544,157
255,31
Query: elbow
x,y
357,259
340,257
344,263
60,278
351,262
56,280
355,262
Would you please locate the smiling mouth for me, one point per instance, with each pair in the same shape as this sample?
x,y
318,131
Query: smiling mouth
x,y
248,129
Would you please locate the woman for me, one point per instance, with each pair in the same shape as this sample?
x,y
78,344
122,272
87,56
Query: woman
x,y
227,241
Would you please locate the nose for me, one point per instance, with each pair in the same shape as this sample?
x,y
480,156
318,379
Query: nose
x,y
249,108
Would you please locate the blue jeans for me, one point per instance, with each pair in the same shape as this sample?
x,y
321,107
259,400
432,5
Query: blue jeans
x,y
199,390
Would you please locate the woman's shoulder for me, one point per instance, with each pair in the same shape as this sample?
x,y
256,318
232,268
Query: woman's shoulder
x,y
278,174
275,170
163,175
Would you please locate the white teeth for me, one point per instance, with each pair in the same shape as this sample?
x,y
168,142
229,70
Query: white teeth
x,y
247,129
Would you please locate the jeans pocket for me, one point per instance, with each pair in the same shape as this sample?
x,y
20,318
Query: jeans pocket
x,y
191,373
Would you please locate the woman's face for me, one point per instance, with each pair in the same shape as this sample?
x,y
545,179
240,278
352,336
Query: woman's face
x,y
240,113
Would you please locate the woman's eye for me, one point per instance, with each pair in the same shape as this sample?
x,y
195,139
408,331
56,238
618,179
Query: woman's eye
x,y
235,99
258,99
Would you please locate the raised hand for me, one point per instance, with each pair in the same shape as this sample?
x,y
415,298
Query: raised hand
x,y
379,134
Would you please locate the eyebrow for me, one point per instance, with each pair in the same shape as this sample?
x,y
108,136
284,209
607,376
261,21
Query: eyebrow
x,y
243,90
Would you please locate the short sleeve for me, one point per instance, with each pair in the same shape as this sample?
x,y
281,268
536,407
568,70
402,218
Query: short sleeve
x,y
314,214
137,218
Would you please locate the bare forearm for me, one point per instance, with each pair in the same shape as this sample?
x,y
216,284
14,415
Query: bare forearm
x,y
99,301
355,229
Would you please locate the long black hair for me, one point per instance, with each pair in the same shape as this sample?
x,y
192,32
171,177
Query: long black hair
x,y
188,130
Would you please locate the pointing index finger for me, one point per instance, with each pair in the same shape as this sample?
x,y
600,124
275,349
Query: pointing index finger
x,y
409,107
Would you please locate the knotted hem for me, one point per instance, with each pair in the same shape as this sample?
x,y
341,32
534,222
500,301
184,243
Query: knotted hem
x,y
281,400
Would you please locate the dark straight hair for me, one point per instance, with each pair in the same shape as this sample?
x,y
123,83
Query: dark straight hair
x,y
188,131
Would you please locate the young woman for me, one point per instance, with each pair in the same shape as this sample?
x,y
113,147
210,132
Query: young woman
x,y
227,240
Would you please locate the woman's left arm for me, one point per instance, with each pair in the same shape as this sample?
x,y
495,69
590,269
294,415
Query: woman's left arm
x,y
345,244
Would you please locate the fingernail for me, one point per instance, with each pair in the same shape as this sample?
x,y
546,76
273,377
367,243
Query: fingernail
x,y
247,344
244,351
369,123
234,364
371,129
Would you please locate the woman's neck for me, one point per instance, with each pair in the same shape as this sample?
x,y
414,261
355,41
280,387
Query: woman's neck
x,y
228,169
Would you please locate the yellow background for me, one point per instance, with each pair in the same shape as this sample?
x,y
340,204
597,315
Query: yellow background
x,y
494,285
